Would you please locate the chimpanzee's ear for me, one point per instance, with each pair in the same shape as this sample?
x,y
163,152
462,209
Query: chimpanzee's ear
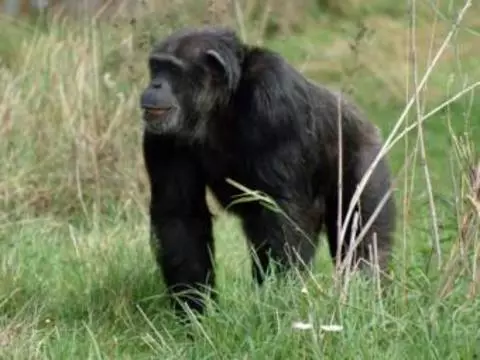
x,y
222,68
216,63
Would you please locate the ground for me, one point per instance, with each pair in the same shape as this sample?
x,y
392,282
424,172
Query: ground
x,y
77,279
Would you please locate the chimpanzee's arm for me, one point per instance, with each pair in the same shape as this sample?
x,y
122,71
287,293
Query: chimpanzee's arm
x,y
181,228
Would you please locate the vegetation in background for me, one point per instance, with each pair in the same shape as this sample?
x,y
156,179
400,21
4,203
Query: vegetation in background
x,y
77,279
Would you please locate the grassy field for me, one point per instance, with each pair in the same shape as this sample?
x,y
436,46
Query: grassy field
x,y
77,279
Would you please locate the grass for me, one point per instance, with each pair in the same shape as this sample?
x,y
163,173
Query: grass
x,y
77,279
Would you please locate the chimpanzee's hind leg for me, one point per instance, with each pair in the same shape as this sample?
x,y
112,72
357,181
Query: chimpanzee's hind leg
x,y
377,242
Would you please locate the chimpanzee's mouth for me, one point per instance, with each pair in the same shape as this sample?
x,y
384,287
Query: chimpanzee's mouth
x,y
156,111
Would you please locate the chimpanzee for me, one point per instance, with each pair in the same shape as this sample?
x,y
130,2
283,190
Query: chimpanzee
x,y
218,109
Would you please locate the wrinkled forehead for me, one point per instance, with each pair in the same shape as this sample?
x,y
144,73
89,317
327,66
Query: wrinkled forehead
x,y
190,43
187,47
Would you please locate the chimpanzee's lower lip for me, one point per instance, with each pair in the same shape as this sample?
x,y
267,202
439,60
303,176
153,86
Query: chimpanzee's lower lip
x,y
156,111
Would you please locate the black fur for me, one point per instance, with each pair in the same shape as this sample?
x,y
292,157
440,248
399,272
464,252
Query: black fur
x,y
242,112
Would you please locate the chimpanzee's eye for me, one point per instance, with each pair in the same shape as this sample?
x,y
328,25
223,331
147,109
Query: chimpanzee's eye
x,y
155,67
165,66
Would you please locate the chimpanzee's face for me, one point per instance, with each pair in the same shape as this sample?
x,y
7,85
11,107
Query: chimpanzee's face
x,y
161,100
189,77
